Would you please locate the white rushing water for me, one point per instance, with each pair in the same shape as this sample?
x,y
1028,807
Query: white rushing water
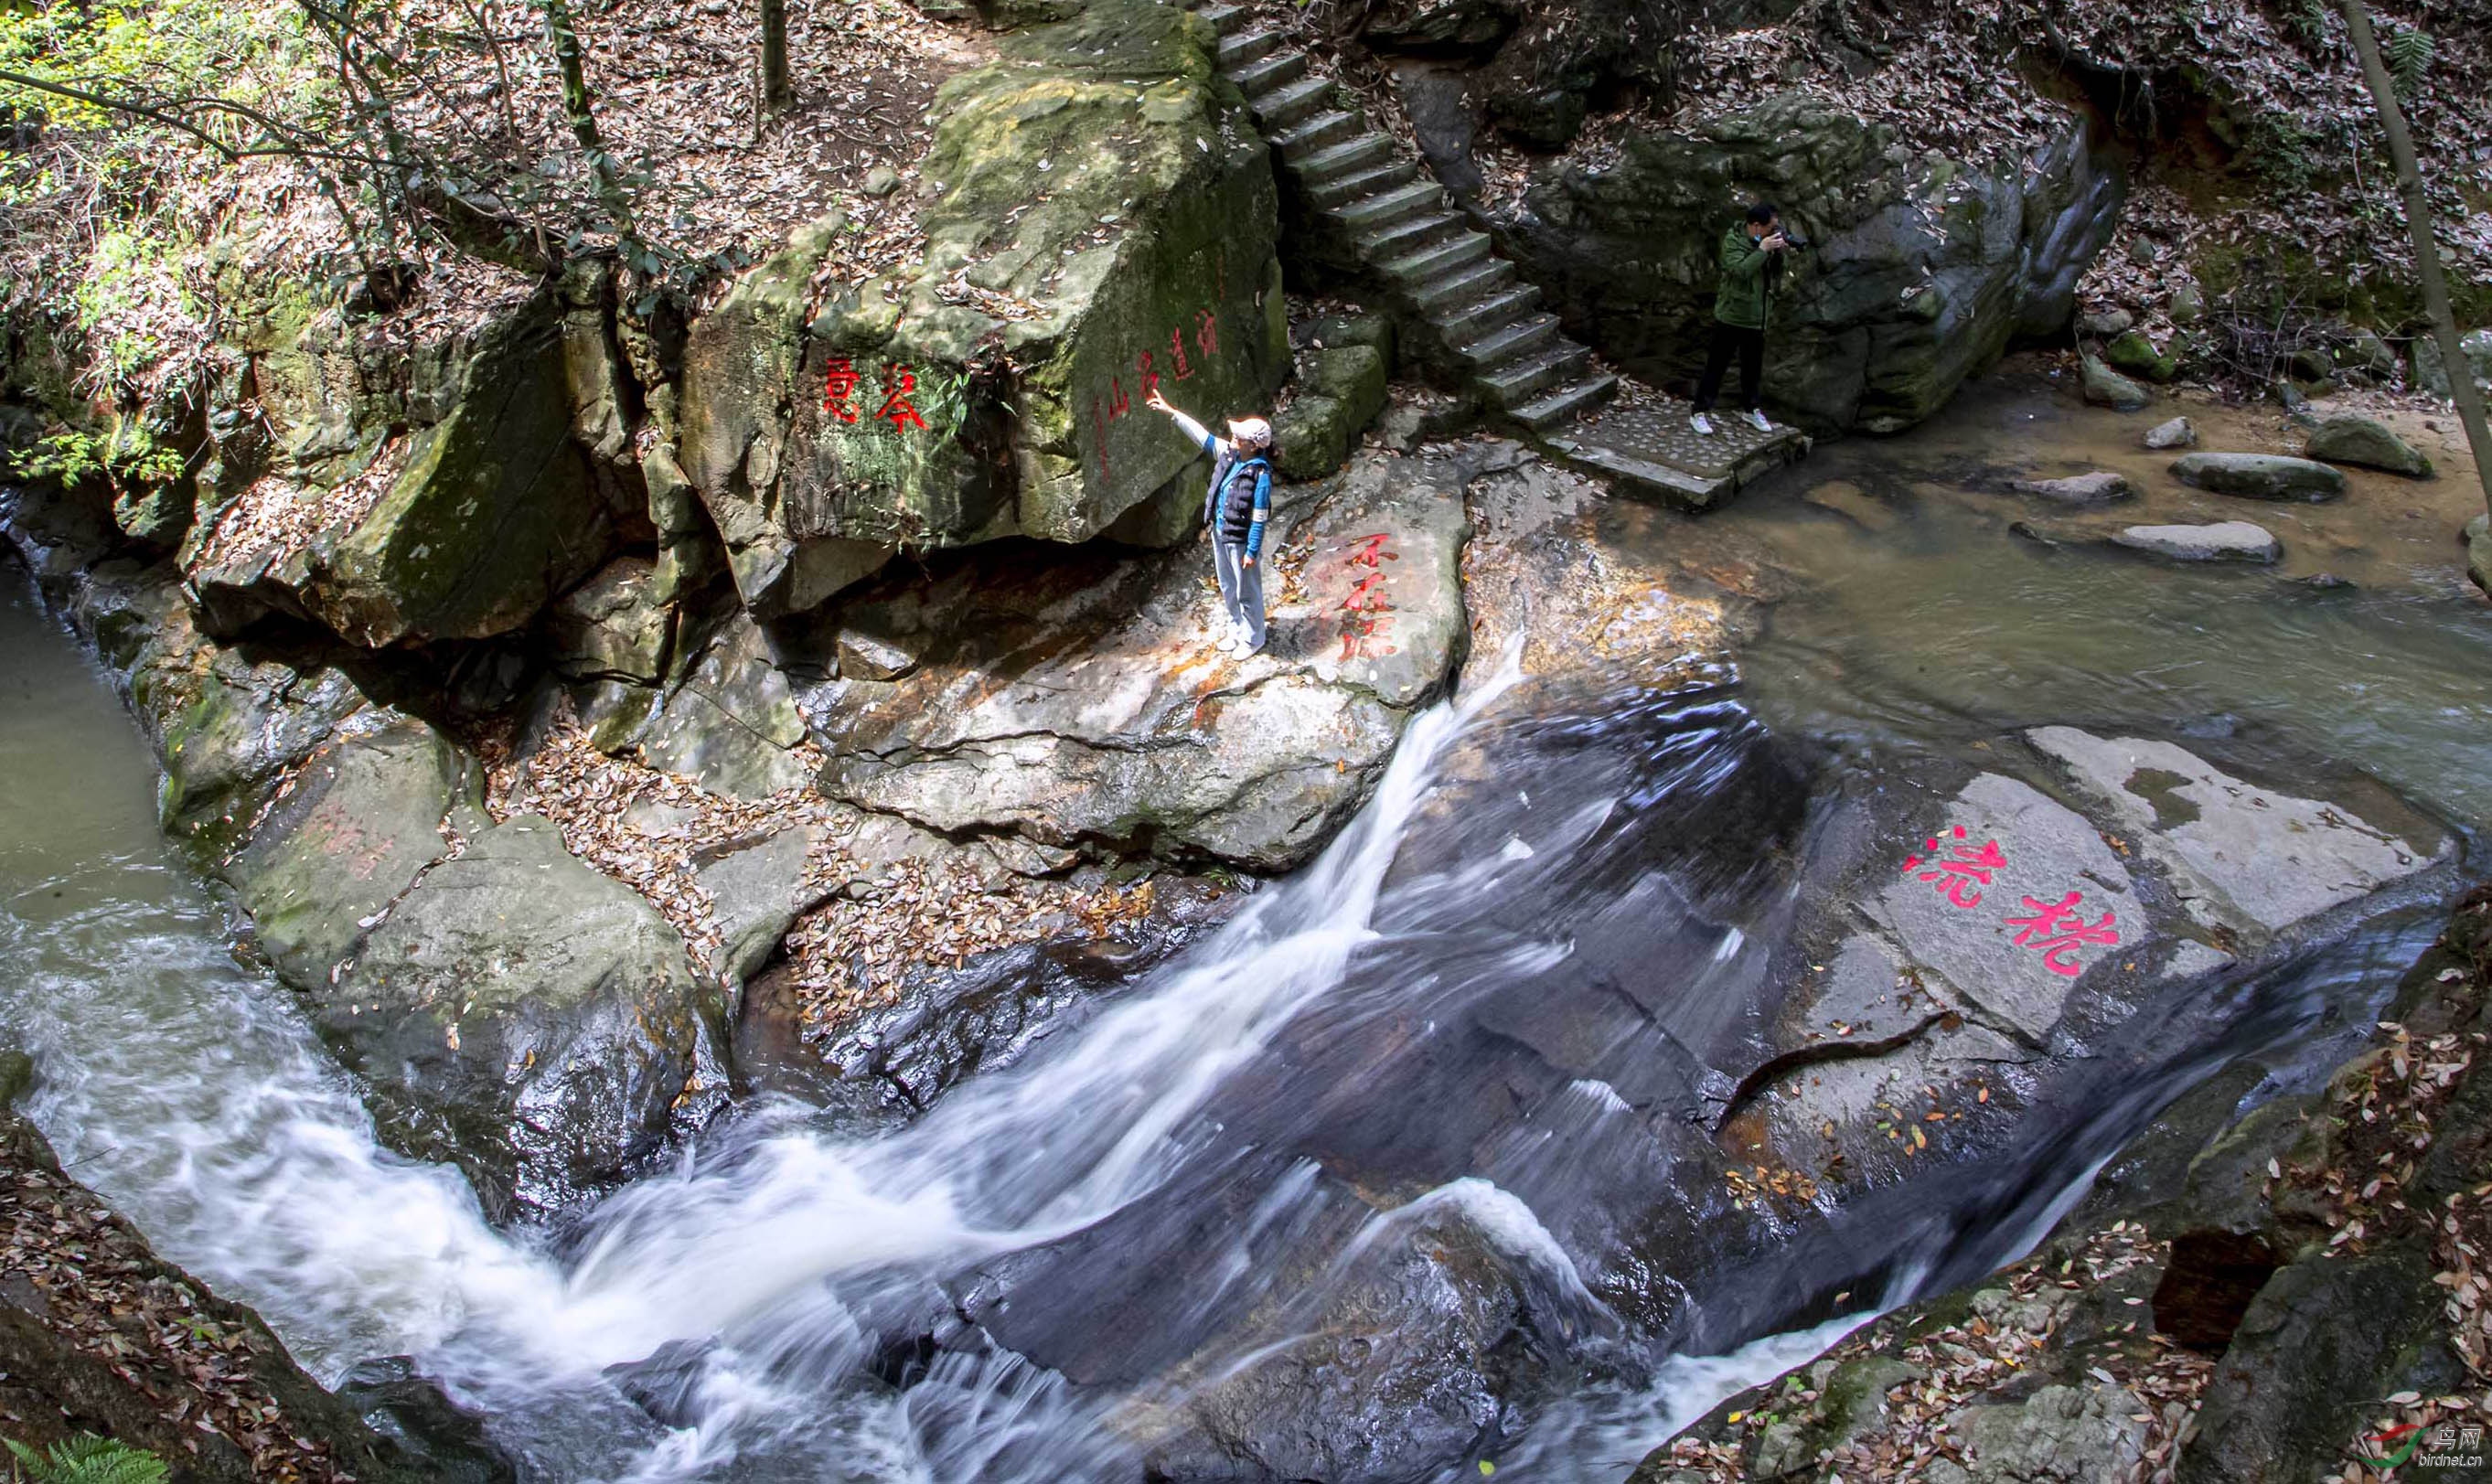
x,y
721,1321
190,1090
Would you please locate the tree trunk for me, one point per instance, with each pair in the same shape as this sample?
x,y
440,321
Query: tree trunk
x,y
2435,285
778,91
577,106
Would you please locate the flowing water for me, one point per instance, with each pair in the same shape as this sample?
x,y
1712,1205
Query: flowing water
x,y
731,1319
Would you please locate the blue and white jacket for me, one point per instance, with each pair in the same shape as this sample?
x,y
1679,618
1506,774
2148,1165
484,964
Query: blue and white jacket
x,y
1239,518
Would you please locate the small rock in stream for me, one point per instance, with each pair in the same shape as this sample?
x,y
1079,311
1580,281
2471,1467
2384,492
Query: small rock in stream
x,y
2100,486
2175,433
2229,541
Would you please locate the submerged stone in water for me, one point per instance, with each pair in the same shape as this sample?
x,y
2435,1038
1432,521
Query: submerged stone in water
x,y
2099,487
2229,541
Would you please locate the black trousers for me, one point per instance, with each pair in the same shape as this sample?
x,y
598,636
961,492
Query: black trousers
x,y
1750,347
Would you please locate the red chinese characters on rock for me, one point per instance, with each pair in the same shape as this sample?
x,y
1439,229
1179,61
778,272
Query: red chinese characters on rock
x,y
2057,929
1965,868
838,386
898,381
839,383
1369,607
1116,401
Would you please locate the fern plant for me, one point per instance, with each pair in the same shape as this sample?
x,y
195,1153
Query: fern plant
x,y
87,1460
2409,58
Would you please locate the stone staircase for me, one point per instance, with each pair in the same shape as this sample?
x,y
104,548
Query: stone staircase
x,y
1407,233
1399,226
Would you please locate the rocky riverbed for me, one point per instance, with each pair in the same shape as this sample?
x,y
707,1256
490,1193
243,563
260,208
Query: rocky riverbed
x,y
771,944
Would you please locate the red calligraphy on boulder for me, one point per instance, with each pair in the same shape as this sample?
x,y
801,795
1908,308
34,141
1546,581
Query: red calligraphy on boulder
x,y
2057,929
1369,607
897,410
839,384
1965,868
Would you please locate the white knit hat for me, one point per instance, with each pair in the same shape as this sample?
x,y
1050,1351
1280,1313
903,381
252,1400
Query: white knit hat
x,y
1250,433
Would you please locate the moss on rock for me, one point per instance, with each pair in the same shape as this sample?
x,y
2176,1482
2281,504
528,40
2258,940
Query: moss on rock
x,y
1103,218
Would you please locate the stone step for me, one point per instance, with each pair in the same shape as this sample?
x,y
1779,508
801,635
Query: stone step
x,y
1510,343
1517,381
1332,194
1284,107
1386,207
1314,135
1348,157
1258,77
1467,282
1566,403
1432,262
1226,19
1409,234
1244,47
1481,315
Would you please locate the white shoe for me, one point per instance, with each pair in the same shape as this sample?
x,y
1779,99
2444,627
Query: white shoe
x,y
1227,644
1761,422
1703,425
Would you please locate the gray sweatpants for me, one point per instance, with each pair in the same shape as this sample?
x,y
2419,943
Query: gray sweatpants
x,y
1241,587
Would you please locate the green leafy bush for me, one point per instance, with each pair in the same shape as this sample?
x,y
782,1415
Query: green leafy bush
x,y
87,1460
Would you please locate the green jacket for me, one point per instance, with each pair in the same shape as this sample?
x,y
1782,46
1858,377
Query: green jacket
x,y
1740,300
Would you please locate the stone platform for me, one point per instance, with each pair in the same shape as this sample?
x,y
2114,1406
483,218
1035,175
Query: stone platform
x,y
1646,448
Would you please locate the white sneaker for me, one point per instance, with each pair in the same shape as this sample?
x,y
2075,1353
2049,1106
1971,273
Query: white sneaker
x,y
1227,644
1761,422
1703,425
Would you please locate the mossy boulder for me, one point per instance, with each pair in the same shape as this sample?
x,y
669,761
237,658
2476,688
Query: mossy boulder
x,y
2107,388
2367,443
451,504
1102,219
2259,476
526,1018
1921,270
1343,391
2133,353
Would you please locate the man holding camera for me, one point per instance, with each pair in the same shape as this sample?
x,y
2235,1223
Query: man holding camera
x,y
1751,260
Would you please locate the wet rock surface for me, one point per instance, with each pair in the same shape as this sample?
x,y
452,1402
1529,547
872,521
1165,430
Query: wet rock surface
x,y
1083,704
526,1019
2254,1257
2225,540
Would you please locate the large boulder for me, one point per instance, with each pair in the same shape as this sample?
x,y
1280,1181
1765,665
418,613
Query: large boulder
x,y
2259,476
1080,703
1102,221
2367,443
454,508
1920,272
523,1016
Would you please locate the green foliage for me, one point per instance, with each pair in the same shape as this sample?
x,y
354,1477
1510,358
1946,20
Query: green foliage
x,y
128,280
2409,57
66,455
88,1460
2306,21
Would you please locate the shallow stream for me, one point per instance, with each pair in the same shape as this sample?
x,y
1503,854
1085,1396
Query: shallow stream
x,y
188,1088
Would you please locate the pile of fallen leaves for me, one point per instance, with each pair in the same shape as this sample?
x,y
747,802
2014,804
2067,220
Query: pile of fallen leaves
x,y
2388,1107
931,913
97,1285
603,805
882,915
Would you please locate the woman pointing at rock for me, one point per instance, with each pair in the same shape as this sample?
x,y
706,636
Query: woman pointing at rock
x,y
1235,506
